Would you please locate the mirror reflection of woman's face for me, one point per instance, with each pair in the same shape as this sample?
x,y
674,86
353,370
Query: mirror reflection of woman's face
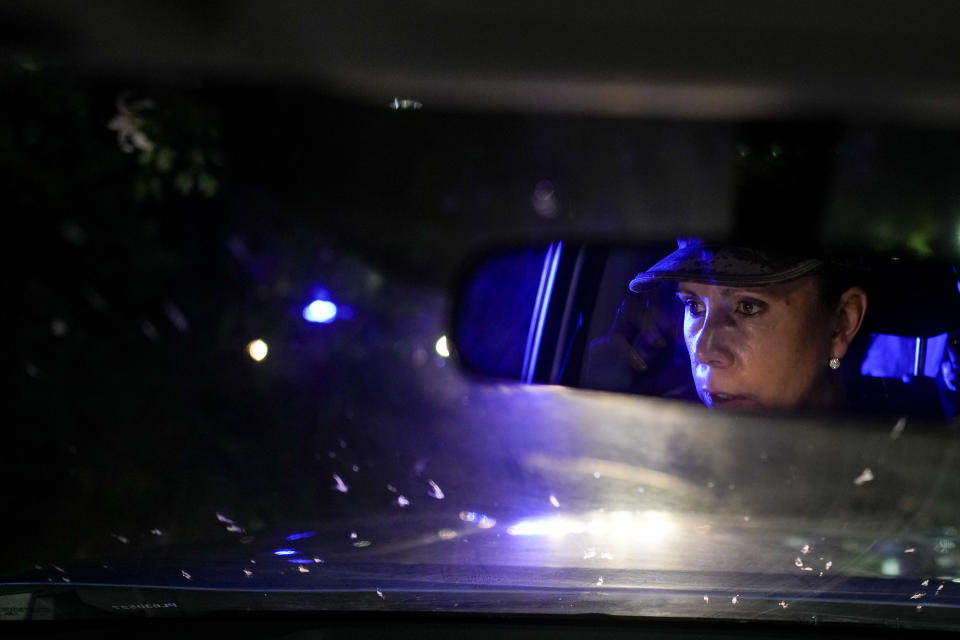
x,y
757,347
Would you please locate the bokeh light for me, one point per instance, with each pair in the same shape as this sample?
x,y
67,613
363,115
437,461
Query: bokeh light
x,y
320,311
442,347
257,350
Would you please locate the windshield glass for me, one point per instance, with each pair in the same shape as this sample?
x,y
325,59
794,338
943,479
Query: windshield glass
x,y
234,378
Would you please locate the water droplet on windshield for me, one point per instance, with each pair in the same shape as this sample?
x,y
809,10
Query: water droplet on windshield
x,y
783,605
435,491
353,535
73,233
186,575
176,317
898,428
735,599
925,583
865,476
362,543
600,581
798,562
544,200
805,549
149,330
446,534
402,501
247,572
340,485
596,474
910,550
606,556
391,488
590,553
918,595
59,327
156,532
404,104
827,566
706,599
121,539
355,469
380,593
554,501
302,569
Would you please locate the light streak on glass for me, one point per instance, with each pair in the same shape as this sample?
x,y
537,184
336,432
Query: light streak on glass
x,y
538,319
284,552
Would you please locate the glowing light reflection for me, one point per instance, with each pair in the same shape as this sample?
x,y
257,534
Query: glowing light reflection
x,y
483,521
320,311
645,528
890,567
442,350
284,552
300,536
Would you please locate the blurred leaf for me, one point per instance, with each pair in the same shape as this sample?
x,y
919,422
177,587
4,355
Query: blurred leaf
x,y
183,183
164,159
207,185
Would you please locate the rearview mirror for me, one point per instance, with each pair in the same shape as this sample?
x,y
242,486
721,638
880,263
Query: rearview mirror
x,y
562,313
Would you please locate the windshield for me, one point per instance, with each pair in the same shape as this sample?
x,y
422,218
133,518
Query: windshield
x,y
234,374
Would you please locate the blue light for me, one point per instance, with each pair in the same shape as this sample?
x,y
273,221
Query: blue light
x,y
544,292
301,535
322,311
300,560
284,552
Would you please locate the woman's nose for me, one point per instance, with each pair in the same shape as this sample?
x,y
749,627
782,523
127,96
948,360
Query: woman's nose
x,y
713,342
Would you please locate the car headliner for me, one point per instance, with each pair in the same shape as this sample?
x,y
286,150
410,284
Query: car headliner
x,y
689,58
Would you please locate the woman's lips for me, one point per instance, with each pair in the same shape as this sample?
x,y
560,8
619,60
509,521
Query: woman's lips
x,y
729,400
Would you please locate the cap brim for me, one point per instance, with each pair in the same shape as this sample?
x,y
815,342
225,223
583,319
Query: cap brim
x,y
724,266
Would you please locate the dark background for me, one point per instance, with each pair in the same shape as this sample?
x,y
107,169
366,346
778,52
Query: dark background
x,y
274,186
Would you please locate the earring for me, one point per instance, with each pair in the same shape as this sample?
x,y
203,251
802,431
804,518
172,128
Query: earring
x,y
834,363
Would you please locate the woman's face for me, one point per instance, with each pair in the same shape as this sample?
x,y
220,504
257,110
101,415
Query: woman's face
x,y
758,347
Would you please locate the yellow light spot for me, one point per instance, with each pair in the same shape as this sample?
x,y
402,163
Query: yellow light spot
x,y
257,350
442,347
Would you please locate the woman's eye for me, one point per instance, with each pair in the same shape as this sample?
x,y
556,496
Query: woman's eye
x,y
693,307
749,308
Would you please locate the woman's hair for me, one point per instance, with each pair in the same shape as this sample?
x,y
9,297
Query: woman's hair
x,y
837,276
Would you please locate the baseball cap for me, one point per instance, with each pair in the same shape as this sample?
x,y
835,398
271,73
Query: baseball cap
x,y
726,265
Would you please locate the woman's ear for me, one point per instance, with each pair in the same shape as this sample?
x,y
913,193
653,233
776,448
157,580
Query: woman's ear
x,y
847,320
